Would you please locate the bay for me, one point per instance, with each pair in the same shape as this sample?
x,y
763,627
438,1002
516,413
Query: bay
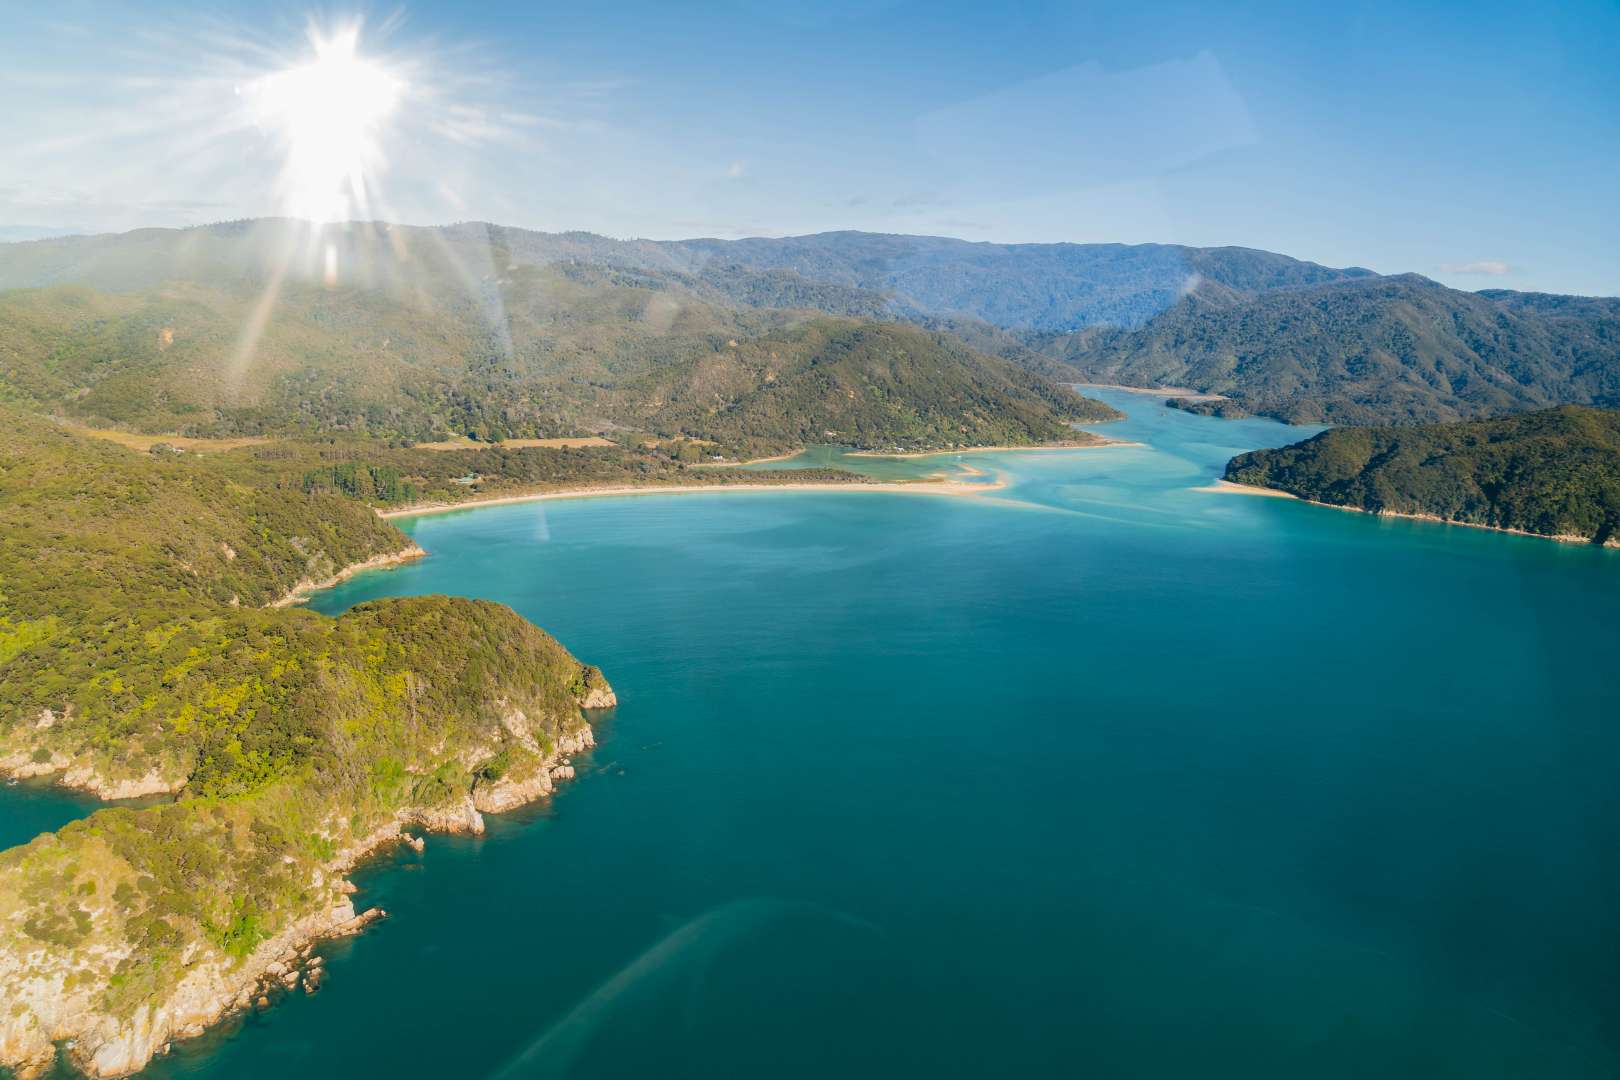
x,y
1097,774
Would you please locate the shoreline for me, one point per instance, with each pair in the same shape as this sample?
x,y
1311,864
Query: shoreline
x,y
104,1046
306,588
1156,391
1228,487
1232,488
916,487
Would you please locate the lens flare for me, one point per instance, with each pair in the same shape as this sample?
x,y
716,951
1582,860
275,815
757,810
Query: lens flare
x,y
331,114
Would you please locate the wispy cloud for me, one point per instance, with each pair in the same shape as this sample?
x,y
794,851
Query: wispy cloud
x,y
1494,267
736,170
1086,125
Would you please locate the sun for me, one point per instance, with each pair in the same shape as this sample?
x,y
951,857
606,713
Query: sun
x,y
330,113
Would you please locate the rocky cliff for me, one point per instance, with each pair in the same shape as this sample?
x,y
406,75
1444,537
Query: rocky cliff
x,y
69,982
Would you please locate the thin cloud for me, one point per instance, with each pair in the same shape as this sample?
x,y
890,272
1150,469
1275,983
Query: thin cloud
x,y
1085,126
1494,267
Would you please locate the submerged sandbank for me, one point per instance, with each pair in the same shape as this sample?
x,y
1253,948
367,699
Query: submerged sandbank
x,y
1229,488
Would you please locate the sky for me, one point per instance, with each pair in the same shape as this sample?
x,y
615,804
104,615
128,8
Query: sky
x,y
1478,144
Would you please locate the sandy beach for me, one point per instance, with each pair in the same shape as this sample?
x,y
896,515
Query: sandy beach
x,y
916,487
1101,442
1227,487
1157,391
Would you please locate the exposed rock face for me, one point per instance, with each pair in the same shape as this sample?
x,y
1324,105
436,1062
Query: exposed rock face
x,y
50,1000
21,765
596,693
322,577
25,763
51,1011
509,792
83,776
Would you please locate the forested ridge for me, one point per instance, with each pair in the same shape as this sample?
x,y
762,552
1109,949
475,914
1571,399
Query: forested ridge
x,y
1555,472
420,348
1368,351
496,330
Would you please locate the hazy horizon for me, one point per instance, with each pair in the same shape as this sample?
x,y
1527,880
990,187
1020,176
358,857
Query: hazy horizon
x,y
1477,145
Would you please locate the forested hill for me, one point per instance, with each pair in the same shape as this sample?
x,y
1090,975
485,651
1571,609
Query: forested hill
x,y
483,328
1376,350
137,659
417,343
1023,287
1555,472
885,386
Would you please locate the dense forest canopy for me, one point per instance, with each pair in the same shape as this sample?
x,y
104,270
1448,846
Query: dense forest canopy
x,y
479,327
1369,351
1555,472
415,343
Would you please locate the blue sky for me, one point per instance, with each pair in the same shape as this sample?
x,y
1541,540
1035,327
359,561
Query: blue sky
x,y
1476,143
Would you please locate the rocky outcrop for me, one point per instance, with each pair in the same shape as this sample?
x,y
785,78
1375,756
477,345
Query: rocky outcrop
x,y
49,1001
29,761
46,1007
84,776
309,585
510,792
595,692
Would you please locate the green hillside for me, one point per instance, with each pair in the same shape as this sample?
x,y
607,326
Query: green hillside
x,y
419,346
1555,472
1039,288
138,656
859,384
1368,351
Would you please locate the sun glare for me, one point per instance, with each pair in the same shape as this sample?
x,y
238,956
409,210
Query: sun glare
x,y
331,114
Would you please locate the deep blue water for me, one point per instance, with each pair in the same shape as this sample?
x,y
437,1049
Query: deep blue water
x,y
1100,775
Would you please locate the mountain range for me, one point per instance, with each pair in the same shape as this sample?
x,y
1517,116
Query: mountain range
x,y
410,331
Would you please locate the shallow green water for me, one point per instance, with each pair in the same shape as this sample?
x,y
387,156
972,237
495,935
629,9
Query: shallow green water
x,y
1097,776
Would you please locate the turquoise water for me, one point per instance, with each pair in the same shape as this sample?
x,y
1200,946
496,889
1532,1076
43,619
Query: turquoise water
x,y
31,807
1098,775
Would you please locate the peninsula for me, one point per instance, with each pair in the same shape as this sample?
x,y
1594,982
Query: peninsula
x,y
145,658
1553,473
